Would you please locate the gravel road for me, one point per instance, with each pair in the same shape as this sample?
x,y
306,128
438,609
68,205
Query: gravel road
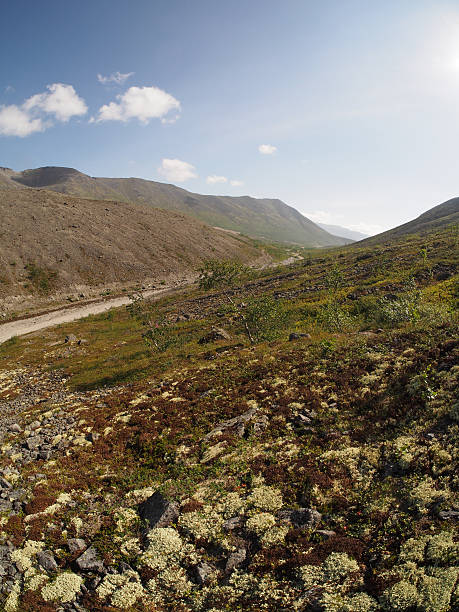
x,y
66,315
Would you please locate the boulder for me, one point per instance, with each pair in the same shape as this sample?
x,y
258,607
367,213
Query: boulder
x,y
89,561
216,333
204,573
47,561
235,560
303,517
298,336
158,511
76,545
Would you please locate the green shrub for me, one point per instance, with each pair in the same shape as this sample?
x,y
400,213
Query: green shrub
x,y
265,317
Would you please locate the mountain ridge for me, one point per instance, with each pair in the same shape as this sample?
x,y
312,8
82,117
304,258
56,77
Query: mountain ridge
x,y
265,218
441,215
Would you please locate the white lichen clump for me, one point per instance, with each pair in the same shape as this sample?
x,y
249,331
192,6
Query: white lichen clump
x,y
165,548
124,589
23,556
63,589
266,498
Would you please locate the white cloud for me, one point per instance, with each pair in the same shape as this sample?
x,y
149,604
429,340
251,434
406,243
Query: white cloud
x,y
9,89
16,122
214,178
116,77
235,183
267,149
142,103
176,170
61,102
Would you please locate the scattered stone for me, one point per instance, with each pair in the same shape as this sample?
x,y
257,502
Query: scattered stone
x,y
33,442
448,515
216,333
297,336
326,533
76,545
70,338
15,428
158,511
46,559
35,425
92,436
4,483
204,573
303,517
90,561
235,560
232,523
239,423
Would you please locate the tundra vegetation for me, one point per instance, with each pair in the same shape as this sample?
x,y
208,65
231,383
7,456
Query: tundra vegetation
x,y
151,463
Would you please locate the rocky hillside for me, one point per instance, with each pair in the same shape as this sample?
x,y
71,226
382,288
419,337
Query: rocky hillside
x,y
311,466
51,242
262,218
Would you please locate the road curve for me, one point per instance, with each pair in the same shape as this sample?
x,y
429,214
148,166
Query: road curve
x,y
66,315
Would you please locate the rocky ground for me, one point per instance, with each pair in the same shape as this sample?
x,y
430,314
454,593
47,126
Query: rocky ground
x,y
314,472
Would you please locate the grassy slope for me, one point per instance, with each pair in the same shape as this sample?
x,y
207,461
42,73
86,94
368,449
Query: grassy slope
x,y
378,459
438,217
263,218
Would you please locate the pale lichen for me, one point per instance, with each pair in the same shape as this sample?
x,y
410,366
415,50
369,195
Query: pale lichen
x,y
63,589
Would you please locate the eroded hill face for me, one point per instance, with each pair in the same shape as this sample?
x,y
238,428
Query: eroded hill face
x,y
262,218
51,243
315,469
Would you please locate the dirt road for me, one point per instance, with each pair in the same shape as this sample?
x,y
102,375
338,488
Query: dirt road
x,y
66,315
72,313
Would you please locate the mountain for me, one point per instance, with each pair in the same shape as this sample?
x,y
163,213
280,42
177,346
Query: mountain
x,y
342,232
269,219
436,218
49,240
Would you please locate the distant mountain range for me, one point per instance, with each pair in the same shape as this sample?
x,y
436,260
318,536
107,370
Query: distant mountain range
x,y
344,232
436,218
269,219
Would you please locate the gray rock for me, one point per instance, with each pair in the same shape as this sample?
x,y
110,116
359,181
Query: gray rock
x,y
238,423
46,559
303,517
235,559
15,428
35,425
89,561
326,533
33,442
448,515
4,483
232,523
76,544
158,511
203,573
296,336
70,338
216,333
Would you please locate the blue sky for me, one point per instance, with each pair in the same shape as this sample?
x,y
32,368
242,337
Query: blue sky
x,y
348,111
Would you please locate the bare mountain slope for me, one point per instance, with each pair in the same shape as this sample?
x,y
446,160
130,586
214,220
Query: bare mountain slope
x,y
263,218
437,217
49,240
